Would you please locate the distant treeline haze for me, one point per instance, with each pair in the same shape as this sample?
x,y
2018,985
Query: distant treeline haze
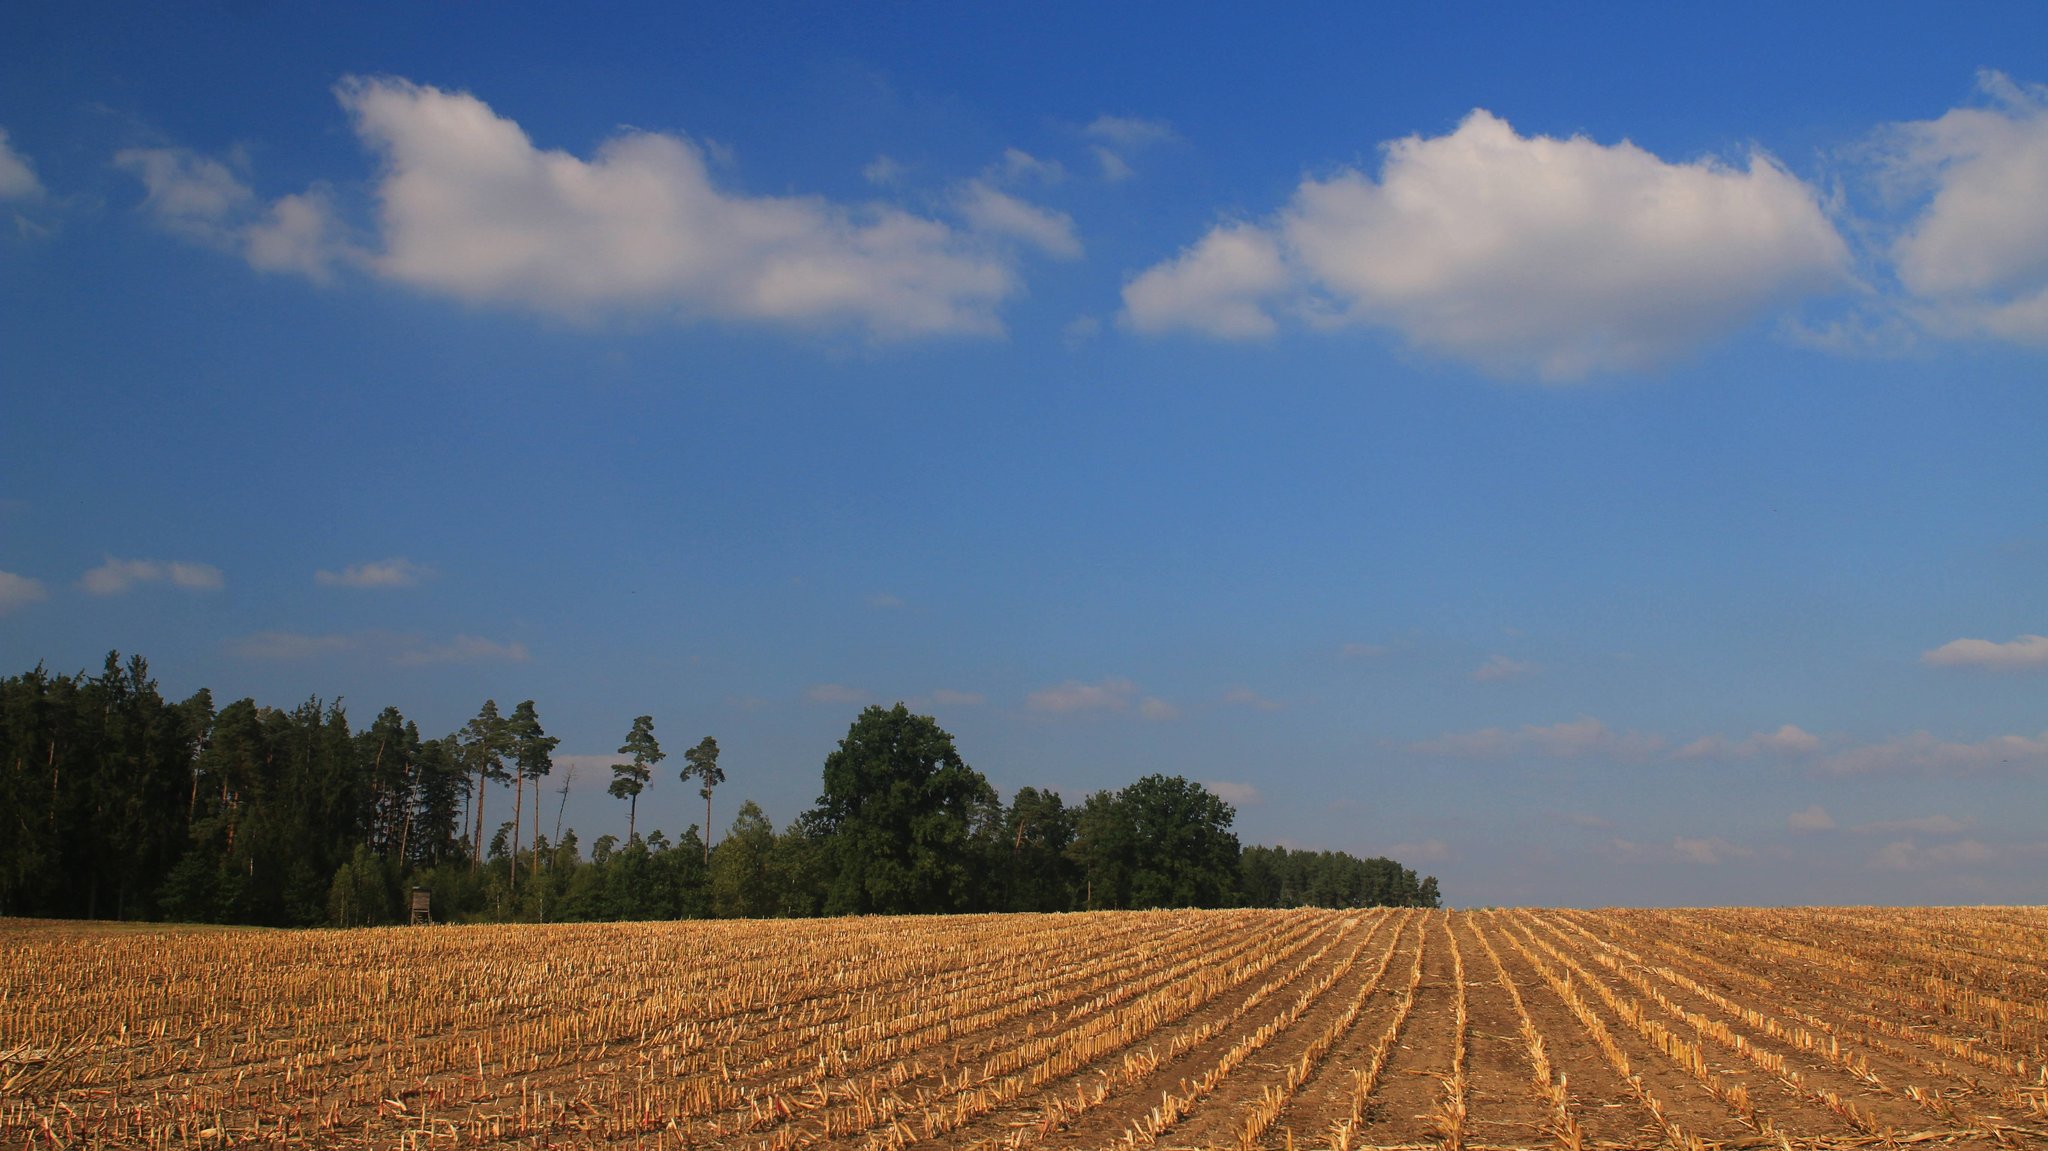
x,y
120,804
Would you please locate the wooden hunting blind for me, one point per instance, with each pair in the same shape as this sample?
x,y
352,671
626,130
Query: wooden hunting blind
x,y
422,906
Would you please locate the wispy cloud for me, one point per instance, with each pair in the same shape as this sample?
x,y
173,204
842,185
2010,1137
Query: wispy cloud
x,y
1073,696
590,773
117,576
1019,166
1906,855
205,201
1115,694
463,649
1119,138
1585,736
1814,818
2026,653
1707,852
1131,131
994,212
394,572
1499,667
20,591
1424,851
949,698
1917,825
1235,794
1921,753
1788,740
835,693
1246,697
285,645
395,648
17,176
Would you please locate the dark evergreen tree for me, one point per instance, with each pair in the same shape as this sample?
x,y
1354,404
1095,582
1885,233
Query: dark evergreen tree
x,y
701,764
630,779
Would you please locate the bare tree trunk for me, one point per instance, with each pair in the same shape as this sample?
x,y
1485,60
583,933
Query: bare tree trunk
x,y
567,779
405,823
707,825
476,853
518,804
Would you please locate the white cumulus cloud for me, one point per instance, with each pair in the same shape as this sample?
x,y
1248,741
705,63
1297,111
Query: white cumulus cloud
x,y
1560,258
394,572
116,576
470,207
1219,286
17,176
2028,652
1976,255
19,590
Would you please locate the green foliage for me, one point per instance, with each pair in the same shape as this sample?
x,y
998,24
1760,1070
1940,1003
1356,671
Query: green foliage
x,y
742,880
115,802
899,813
1037,873
1277,877
1161,842
630,779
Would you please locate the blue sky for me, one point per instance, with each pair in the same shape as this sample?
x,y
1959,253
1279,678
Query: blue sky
x,y
1591,457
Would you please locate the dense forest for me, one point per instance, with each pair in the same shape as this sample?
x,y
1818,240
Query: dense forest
x,y
120,804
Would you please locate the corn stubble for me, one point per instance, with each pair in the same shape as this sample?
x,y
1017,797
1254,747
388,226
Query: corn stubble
x,y
1734,1028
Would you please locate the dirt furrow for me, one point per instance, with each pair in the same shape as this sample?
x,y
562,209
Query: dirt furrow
x,y
1501,1098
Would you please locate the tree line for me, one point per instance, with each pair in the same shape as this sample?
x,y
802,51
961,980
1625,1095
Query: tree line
x,y
121,804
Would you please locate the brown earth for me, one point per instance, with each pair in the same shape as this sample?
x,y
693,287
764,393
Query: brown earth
x,y
1729,1028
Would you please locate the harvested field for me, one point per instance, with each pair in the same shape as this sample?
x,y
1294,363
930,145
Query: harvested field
x,y
1804,1028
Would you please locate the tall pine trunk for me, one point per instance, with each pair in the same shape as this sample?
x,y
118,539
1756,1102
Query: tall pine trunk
x,y
476,846
518,810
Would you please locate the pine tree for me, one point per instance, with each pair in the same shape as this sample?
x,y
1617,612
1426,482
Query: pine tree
x,y
629,779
